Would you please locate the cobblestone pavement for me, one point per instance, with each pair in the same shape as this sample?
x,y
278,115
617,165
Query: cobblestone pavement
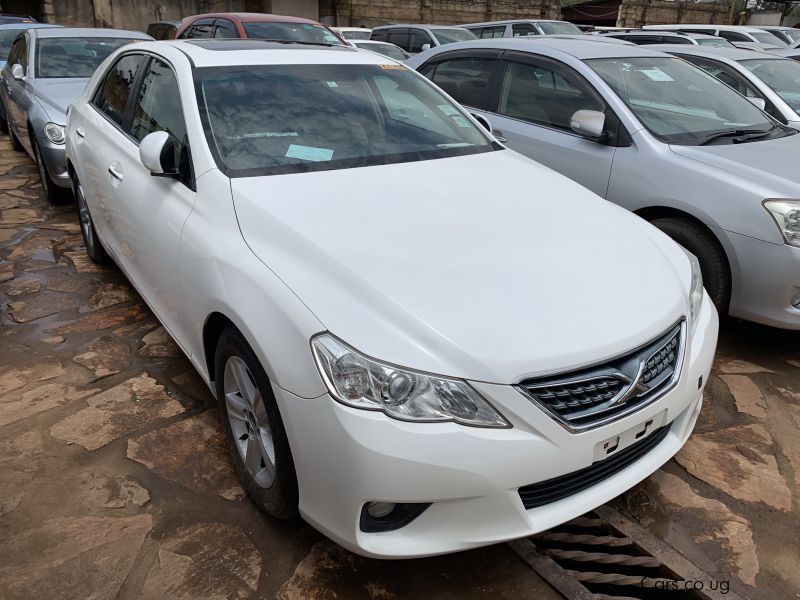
x,y
115,482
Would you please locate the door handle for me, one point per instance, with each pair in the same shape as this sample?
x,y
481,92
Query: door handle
x,y
81,133
498,135
115,172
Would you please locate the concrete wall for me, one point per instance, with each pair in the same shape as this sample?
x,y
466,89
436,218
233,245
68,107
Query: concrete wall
x,y
635,13
371,13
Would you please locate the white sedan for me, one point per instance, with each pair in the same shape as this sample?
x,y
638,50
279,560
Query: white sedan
x,y
420,340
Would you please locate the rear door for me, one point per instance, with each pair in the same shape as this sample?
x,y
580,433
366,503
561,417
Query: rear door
x,y
537,98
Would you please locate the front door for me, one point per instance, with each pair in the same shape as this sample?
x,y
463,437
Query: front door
x,y
537,100
16,90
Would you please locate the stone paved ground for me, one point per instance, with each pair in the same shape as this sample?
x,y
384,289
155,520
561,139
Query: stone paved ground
x,y
114,479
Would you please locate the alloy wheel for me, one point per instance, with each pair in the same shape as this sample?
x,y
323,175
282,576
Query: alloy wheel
x,y
249,422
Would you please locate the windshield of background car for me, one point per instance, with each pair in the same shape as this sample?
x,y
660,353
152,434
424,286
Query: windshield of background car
x,y
710,41
450,36
73,57
356,35
7,37
556,28
765,37
269,120
389,50
782,75
291,32
794,34
677,102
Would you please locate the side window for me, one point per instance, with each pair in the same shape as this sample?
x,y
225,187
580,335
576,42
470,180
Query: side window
x,y
674,40
491,32
467,80
19,52
379,35
399,38
725,75
158,108
523,29
225,29
734,36
201,29
112,97
545,94
418,39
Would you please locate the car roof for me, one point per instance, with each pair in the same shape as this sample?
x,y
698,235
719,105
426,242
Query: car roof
x,y
238,52
23,25
717,51
552,45
687,26
421,25
250,17
685,34
89,32
512,21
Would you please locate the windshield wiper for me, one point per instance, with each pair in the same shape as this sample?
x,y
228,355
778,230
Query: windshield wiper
x,y
739,135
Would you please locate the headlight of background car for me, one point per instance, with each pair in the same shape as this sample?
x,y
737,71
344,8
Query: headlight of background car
x,y
361,382
55,133
695,290
787,216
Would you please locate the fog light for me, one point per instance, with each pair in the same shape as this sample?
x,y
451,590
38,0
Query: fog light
x,y
379,510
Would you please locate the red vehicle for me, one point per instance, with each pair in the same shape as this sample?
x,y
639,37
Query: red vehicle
x,y
257,26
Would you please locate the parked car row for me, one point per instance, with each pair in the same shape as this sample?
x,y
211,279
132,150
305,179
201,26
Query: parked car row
x,y
470,345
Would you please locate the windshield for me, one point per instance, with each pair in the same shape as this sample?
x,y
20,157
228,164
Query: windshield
x,y
794,34
73,57
676,102
356,35
389,50
710,41
765,37
782,75
7,37
450,36
559,27
268,120
291,32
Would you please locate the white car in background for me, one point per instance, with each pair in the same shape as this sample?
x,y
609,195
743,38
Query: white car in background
x,y
352,33
426,361
385,48
741,36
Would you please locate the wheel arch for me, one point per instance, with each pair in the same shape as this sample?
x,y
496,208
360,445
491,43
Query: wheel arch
x,y
213,327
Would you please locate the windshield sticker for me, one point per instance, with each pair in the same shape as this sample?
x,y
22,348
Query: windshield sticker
x,y
461,121
309,153
447,109
395,67
332,84
656,74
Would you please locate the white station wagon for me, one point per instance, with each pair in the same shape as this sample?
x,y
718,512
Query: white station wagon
x,y
406,348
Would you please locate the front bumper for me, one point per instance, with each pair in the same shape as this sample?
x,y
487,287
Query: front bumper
x,y
766,280
346,457
55,157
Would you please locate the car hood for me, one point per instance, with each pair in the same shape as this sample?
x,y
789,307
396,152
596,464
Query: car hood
x,y
486,267
771,163
59,93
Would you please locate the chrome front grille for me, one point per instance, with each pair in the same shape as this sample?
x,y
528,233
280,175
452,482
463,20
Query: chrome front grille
x,y
597,395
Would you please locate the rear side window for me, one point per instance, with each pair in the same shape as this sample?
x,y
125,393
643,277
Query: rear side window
x,y
379,35
112,97
418,39
523,29
225,29
203,28
400,38
734,36
490,32
466,79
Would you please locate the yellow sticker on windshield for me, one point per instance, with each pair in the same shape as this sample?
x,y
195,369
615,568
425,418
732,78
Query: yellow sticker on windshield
x,y
396,67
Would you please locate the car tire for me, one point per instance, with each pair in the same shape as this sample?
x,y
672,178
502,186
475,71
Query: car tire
x,y
94,247
253,427
713,262
55,194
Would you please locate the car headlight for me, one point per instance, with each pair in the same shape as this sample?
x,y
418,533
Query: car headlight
x,y
361,382
695,289
787,216
55,133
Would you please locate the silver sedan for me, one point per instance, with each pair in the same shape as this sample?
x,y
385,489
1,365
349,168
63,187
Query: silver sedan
x,y
658,136
46,70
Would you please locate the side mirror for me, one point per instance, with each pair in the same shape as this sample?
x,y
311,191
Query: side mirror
x,y
588,122
157,153
17,72
483,121
425,47
758,102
